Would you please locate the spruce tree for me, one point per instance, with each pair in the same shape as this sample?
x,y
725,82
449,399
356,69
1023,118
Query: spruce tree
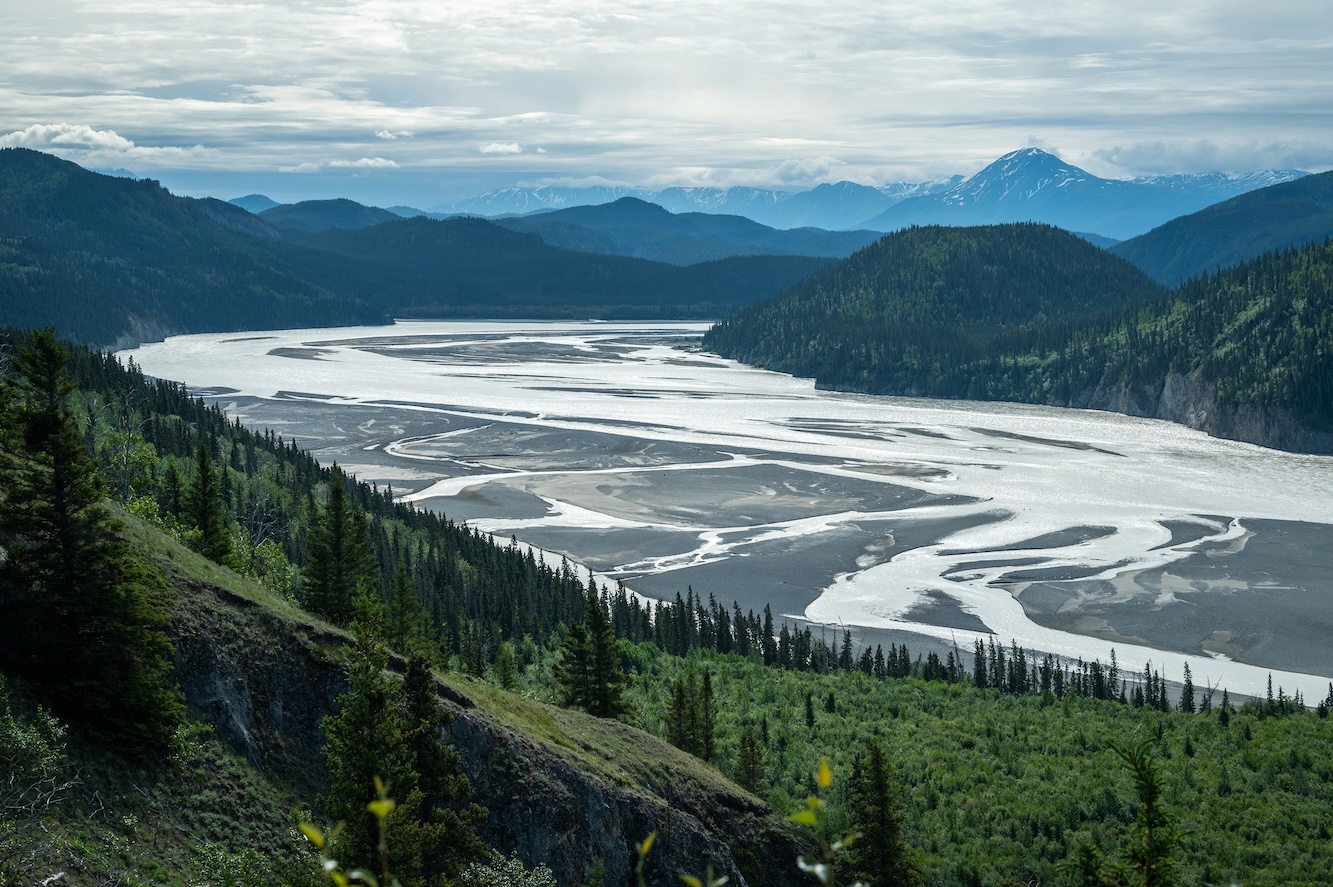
x,y
589,668
879,856
339,558
405,616
81,614
1187,692
205,512
750,762
444,792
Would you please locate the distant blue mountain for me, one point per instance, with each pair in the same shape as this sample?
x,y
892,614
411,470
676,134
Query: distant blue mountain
x,y
254,203
1033,186
1288,214
296,220
1026,185
634,227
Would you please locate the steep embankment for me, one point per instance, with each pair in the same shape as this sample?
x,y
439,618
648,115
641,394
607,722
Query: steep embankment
x,y
562,787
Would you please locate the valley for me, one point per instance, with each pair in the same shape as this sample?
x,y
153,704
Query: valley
x,y
619,445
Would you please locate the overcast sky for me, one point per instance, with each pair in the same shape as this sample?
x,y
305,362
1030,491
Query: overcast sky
x,y
426,101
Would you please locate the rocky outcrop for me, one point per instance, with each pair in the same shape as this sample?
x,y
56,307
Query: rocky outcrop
x,y
1191,401
266,681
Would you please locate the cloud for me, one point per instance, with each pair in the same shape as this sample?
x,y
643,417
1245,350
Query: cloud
x,y
574,182
808,170
364,163
390,135
360,163
85,143
64,135
502,148
1206,155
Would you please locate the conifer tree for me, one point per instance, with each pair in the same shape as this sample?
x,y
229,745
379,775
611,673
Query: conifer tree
x,y
879,856
589,668
390,730
405,617
339,558
81,614
204,509
1187,692
750,762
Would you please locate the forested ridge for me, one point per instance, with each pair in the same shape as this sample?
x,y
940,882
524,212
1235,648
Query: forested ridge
x,y
111,260
106,258
997,765
893,322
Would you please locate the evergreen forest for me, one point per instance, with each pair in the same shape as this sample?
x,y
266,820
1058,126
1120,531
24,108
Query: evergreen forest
x,y
951,313
988,765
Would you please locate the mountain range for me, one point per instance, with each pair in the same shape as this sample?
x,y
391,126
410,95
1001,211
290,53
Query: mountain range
x,y
1025,185
112,260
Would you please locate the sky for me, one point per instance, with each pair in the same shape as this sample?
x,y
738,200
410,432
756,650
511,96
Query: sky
x,y
424,102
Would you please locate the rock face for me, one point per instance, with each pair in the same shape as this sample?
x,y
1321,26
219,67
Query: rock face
x,y
1190,401
265,682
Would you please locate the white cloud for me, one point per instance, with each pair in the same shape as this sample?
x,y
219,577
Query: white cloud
x,y
360,163
365,163
693,92
574,182
43,136
86,144
1206,155
808,170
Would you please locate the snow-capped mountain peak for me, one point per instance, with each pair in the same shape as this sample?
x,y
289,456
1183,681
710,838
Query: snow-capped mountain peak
x,y
1018,175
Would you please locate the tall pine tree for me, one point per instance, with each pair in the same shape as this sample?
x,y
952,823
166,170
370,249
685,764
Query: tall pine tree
x,y
879,856
205,511
339,558
81,614
589,668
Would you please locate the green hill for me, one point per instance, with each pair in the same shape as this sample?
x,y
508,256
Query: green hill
x,y
633,227
1020,313
116,260
1236,230
422,267
297,220
916,312
111,260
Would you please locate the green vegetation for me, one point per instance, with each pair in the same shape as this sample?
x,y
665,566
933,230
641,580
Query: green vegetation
x,y
927,310
84,614
1292,214
105,259
1259,333
993,768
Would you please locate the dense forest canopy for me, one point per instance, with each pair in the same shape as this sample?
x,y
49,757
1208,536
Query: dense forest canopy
x,y
902,322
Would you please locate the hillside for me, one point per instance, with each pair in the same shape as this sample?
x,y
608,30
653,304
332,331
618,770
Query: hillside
x,y
914,313
109,260
422,267
298,220
1242,354
633,227
1236,230
1003,764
